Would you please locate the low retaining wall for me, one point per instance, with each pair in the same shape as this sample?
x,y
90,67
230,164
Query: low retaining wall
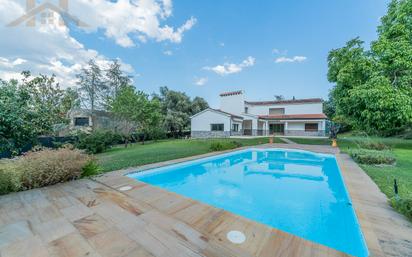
x,y
210,134
319,133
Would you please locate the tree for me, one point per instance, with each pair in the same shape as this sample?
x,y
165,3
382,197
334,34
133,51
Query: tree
x,y
92,86
17,127
373,89
177,108
198,104
47,100
123,106
279,97
137,112
115,81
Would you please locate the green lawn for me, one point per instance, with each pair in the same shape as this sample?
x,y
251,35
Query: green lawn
x,y
137,154
311,141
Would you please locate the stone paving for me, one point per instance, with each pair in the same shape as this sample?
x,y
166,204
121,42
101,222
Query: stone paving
x,y
94,218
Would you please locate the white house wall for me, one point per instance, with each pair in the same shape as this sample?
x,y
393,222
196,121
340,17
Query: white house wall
x,y
307,108
234,104
201,124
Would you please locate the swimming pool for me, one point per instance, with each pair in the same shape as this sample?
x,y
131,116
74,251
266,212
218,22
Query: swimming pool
x,y
295,191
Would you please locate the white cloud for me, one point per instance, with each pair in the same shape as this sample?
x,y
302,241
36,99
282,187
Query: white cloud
x,y
229,68
200,81
168,52
292,59
277,51
50,48
125,21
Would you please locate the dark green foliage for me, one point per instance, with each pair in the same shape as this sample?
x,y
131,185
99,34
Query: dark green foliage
x,y
91,168
98,141
403,206
176,109
373,145
373,91
224,145
9,180
372,157
30,108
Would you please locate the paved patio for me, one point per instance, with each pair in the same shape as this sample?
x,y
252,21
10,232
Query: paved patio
x,y
94,218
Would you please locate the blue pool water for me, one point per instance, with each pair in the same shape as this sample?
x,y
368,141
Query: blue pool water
x,y
295,191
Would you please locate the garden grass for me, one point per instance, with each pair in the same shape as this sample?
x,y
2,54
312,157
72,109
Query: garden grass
x,y
137,154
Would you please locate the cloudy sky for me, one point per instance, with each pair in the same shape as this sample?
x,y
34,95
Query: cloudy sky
x,y
200,47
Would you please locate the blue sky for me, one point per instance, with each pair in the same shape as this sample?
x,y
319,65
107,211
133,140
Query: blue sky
x,y
249,36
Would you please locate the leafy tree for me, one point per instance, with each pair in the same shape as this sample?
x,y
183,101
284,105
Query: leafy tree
x,y
373,89
17,127
115,81
137,112
92,87
198,105
177,108
47,100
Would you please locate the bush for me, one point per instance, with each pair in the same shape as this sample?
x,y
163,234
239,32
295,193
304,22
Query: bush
x,y
404,206
9,180
366,156
221,146
42,168
98,141
373,145
91,168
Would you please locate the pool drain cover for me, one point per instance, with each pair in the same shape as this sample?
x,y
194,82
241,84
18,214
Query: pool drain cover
x,y
236,237
125,188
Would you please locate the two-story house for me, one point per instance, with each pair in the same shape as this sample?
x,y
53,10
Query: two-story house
x,y
236,117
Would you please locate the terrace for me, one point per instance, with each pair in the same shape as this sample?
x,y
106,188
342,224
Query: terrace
x,y
113,215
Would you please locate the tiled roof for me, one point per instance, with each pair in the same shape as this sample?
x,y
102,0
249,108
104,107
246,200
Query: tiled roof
x,y
294,116
296,101
239,92
232,115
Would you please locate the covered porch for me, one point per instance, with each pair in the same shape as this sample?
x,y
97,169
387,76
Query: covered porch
x,y
298,128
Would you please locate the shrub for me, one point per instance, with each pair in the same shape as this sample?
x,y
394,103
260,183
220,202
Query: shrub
x,y
221,146
404,206
9,179
98,141
373,145
43,168
366,156
49,167
91,168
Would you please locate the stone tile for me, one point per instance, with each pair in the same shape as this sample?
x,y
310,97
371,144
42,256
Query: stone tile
x,y
112,243
92,225
53,229
71,245
14,232
28,247
76,212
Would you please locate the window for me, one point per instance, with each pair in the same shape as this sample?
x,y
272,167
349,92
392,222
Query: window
x,y
216,127
235,128
81,121
276,111
246,109
311,126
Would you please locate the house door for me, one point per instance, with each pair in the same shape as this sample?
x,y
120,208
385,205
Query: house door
x,y
276,129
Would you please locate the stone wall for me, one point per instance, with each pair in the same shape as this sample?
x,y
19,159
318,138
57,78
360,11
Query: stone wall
x,y
319,133
210,134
